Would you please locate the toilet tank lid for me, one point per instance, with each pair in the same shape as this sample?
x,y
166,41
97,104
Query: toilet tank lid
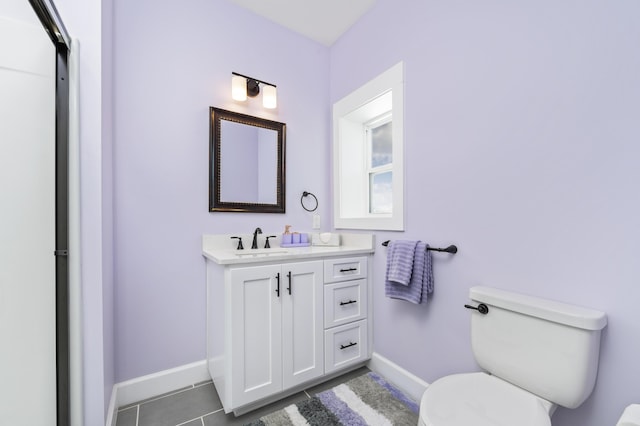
x,y
551,310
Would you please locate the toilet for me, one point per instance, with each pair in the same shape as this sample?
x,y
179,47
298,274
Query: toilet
x,y
536,354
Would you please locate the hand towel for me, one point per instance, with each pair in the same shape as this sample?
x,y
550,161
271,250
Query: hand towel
x,y
400,257
421,282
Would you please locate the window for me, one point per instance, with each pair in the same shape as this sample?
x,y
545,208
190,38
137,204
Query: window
x,y
378,134
368,160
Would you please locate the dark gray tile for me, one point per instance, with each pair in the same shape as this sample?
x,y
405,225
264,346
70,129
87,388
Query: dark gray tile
x,y
179,407
222,419
161,395
215,393
337,380
196,422
127,417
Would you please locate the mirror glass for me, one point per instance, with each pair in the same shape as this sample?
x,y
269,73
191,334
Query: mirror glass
x,y
247,163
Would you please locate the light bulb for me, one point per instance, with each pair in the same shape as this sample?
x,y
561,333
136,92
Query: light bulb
x,y
238,88
269,98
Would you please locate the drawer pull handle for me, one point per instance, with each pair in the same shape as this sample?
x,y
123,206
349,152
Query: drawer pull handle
x,y
342,347
348,303
348,270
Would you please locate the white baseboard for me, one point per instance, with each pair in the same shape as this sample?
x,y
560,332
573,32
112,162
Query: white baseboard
x,y
146,387
409,383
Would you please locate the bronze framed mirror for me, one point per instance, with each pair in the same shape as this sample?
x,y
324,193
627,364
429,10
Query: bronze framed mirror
x,y
246,163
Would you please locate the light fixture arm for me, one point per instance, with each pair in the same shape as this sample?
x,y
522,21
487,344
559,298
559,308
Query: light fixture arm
x,y
254,79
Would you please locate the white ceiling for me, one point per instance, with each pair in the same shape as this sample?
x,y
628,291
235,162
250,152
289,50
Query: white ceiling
x,y
323,21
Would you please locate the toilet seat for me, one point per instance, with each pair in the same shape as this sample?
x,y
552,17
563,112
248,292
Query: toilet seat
x,y
481,399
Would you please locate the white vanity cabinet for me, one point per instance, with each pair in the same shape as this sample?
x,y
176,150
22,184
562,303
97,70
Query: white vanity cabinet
x,y
276,328
282,320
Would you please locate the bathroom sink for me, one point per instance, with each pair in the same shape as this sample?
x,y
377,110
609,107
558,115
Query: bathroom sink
x,y
221,250
259,252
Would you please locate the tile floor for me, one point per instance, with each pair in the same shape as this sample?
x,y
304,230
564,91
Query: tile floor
x,y
199,405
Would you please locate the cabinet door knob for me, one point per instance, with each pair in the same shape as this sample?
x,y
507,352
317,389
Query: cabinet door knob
x,y
278,284
289,288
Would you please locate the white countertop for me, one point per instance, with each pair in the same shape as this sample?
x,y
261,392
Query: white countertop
x,y
222,250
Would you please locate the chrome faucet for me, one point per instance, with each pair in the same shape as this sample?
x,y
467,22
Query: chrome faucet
x,y
254,244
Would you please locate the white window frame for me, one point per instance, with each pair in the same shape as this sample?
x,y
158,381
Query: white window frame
x,y
350,162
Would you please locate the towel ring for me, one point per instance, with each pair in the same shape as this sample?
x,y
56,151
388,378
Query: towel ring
x,y
304,194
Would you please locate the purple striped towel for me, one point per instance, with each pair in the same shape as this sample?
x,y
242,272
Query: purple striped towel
x,y
421,282
400,257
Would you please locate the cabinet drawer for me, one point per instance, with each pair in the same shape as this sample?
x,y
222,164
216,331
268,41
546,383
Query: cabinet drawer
x,y
350,268
345,345
345,302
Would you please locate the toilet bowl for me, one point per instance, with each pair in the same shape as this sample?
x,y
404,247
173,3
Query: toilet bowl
x,y
536,354
480,399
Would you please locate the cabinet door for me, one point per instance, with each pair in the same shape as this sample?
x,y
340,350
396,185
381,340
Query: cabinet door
x,y
302,311
255,334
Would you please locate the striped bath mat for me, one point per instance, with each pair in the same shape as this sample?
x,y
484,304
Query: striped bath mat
x,y
367,400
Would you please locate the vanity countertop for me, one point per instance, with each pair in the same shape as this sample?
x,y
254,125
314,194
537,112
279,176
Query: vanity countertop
x,y
222,250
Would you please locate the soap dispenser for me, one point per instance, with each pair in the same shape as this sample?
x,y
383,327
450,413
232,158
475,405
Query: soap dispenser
x,y
287,237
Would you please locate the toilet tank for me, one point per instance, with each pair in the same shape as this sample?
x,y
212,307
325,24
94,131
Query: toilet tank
x,y
549,348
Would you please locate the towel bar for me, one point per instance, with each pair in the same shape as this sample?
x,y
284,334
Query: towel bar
x,y
451,249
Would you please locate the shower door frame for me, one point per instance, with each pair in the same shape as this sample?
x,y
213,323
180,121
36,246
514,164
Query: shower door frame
x,y
50,19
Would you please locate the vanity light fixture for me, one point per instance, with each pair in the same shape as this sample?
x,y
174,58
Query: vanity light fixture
x,y
243,86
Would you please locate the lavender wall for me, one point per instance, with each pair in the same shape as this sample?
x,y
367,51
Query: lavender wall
x,y
521,145
172,61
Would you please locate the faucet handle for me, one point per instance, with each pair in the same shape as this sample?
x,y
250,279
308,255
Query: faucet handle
x,y
240,246
266,244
